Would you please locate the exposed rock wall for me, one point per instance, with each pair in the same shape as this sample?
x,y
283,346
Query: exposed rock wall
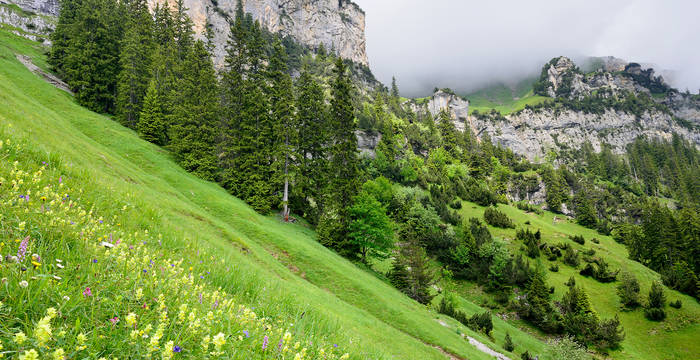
x,y
30,24
457,107
45,7
533,133
337,24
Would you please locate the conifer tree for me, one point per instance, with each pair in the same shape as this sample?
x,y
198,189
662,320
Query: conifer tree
x,y
333,228
135,61
448,132
62,35
313,137
196,115
151,124
92,56
508,343
184,35
284,121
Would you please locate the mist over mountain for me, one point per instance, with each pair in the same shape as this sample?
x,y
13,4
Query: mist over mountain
x,y
468,45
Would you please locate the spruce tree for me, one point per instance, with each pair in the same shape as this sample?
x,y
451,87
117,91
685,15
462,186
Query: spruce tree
x,y
508,343
448,132
62,36
151,124
195,115
284,121
91,63
333,228
313,137
135,61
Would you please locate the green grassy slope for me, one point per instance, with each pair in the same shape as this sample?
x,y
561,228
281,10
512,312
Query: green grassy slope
x,y
674,338
322,294
505,99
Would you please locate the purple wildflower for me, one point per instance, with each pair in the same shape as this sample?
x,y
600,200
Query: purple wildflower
x,y
94,261
177,349
265,340
279,345
246,333
335,345
22,249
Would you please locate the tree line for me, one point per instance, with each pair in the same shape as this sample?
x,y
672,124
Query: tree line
x,y
273,141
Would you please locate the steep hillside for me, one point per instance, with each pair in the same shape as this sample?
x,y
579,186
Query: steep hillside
x,y
133,195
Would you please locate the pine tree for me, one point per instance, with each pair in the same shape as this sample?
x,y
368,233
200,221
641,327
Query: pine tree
x,y
196,115
184,35
135,61
411,272
151,124
313,137
284,120
333,228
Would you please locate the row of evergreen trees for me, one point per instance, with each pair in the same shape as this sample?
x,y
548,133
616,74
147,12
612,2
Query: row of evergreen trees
x,y
268,140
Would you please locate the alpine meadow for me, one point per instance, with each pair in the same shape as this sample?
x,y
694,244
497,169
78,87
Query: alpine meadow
x,y
202,179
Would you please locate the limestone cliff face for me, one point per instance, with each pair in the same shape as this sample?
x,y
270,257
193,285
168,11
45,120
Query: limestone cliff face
x,y
534,133
337,24
35,21
456,106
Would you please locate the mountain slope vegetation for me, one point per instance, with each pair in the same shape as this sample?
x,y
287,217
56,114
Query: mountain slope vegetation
x,y
276,270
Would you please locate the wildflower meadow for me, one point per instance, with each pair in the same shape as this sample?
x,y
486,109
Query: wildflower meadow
x,y
77,284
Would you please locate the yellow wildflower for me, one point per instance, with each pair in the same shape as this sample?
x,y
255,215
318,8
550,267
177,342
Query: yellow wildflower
x,y
20,338
58,354
130,319
30,354
168,350
205,342
345,356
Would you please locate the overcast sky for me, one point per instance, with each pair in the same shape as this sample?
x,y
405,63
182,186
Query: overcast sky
x,y
467,44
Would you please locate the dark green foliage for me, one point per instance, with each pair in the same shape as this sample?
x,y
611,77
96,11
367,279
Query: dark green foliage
x,y
656,301
313,134
333,225
676,304
600,271
152,122
135,61
497,218
508,343
88,54
585,211
411,272
477,322
526,356
531,241
578,239
571,256
554,268
195,115
557,188
680,277
628,290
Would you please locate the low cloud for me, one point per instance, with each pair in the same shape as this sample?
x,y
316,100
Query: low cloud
x,y
467,45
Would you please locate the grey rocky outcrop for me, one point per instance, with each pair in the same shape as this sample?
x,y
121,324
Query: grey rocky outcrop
x,y
457,107
337,24
30,24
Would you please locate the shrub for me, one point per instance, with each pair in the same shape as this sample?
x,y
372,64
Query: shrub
x,y
600,271
456,204
477,322
578,239
628,290
554,268
497,218
676,304
526,356
571,257
531,242
508,343
595,240
655,314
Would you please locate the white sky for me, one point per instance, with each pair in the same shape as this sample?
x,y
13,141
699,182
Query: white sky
x,y
468,44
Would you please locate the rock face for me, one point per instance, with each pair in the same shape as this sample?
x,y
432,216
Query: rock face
x,y
30,22
457,107
337,24
45,7
534,133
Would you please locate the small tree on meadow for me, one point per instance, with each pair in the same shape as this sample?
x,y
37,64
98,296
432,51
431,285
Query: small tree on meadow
x,y
371,229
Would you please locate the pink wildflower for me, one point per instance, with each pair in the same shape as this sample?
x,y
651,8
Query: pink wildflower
x,y
87,292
